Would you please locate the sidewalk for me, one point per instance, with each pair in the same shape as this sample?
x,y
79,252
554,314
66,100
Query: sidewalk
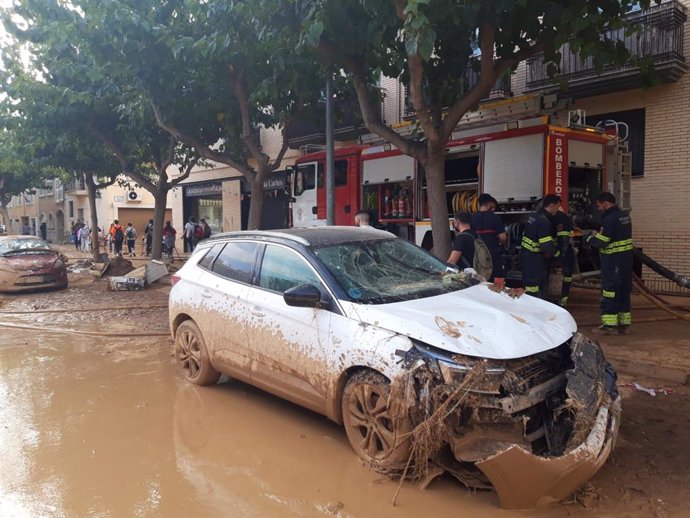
x,y
657,347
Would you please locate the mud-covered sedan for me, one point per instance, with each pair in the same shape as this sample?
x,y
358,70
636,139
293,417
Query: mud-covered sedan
x,y
425,367
28,263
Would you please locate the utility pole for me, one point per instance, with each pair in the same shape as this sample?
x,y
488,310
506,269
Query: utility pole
x,y
330,160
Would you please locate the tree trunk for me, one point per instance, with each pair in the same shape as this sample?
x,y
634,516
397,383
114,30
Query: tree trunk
x,y
161,202
436,191
256,204
91,189
6,218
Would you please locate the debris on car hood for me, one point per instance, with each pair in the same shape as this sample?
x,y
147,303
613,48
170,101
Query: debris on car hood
x,y
535,428
475,321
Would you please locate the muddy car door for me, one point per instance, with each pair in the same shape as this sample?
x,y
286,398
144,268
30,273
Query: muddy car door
x,y
288,344
225,287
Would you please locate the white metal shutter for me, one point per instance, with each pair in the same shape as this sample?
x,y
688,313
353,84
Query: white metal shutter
x,y
514,168
584,154
388,169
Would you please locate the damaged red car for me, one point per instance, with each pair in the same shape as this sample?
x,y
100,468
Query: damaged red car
x,y
28,263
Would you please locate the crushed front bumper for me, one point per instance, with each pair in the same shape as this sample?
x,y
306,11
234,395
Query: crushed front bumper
x,y
524,480
539,430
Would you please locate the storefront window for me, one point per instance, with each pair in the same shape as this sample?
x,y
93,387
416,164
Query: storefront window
x,y
211,209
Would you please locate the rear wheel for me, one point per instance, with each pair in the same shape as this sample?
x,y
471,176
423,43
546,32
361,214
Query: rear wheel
x,y
192,355
380,439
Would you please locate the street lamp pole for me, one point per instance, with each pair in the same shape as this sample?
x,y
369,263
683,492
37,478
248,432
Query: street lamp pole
x,y
330,151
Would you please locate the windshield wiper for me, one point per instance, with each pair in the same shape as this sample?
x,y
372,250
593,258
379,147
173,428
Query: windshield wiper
x,y
24,250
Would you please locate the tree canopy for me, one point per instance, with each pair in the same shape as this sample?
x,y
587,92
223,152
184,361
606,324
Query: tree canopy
x,y
449,54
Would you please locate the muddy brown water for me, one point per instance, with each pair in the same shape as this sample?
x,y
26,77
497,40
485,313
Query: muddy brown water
x,y
92,428
103,426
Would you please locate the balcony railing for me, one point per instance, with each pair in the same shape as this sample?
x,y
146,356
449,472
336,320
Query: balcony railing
x,y
659,38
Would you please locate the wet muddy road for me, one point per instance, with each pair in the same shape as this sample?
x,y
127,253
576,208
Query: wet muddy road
x,y
101,425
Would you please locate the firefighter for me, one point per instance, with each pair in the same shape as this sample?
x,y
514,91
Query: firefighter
x,y
614,241
566,254
538,246
490,229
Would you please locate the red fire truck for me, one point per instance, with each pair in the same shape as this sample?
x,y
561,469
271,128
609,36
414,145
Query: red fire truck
x,y
517,160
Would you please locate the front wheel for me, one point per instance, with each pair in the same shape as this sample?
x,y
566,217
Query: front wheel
x,y
192,355
381,440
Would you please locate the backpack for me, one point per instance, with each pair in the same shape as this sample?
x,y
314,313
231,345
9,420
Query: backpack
x,y
482,263
198,232
130,233
207,231
119,234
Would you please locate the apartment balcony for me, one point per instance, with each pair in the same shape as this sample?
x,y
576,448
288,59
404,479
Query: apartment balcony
x,y
76,188
310,129
660,38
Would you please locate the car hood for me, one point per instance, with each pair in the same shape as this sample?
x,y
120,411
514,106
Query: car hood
x,y
30,260
475,322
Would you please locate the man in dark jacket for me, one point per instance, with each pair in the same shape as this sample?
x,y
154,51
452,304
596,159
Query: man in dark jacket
x,y
614,241
539,245
462,254
490,229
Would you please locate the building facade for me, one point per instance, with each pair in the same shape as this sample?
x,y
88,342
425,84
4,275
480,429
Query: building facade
x,y
59,204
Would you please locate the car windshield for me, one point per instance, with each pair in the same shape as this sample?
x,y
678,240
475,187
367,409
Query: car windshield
x,y
11,246
387,270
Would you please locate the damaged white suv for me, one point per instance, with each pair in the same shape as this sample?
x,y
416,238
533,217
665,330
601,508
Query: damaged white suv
x,y
427,369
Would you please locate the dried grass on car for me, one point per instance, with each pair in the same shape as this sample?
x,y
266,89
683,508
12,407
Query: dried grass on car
x,y
417,396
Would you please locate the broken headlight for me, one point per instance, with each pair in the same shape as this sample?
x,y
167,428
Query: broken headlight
x,y
452,368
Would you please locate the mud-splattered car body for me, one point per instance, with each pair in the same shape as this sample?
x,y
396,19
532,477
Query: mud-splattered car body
x,y
28,263
303,313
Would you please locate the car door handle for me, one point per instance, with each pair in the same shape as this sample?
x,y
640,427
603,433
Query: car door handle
x,y
257,311
206,293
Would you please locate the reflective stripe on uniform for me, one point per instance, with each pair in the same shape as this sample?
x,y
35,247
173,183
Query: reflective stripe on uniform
x,y
602,238
567,279
564,302
545,239
563,233
531,289
529,245
609,320
608,294
624,319
618,246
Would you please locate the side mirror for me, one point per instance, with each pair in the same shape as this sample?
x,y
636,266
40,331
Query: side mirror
x,y
304,296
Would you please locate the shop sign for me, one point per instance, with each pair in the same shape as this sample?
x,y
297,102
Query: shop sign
x,y
203,189
274,183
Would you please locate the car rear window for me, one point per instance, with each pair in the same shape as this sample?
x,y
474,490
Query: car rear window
x,y
236,261
211,254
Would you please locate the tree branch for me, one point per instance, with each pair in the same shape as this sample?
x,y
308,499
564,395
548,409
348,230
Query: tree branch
x,y
239,89
372,117
201,148
487,78
109,143
187,171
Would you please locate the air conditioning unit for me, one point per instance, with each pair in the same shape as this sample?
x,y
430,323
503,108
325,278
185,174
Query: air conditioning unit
x,y
133,196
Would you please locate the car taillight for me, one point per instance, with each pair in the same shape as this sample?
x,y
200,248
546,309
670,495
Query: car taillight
x,y
174,279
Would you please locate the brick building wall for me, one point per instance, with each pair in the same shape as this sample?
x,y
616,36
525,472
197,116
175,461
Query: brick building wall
x,y
660,198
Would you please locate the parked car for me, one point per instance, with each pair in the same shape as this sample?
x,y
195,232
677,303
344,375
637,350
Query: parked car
x,y
380,336
28,263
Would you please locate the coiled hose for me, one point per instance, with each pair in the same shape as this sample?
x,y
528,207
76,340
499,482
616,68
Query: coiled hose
x,y
680,280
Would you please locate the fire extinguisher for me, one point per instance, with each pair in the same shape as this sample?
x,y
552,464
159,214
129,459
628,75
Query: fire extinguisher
x,y
387,203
